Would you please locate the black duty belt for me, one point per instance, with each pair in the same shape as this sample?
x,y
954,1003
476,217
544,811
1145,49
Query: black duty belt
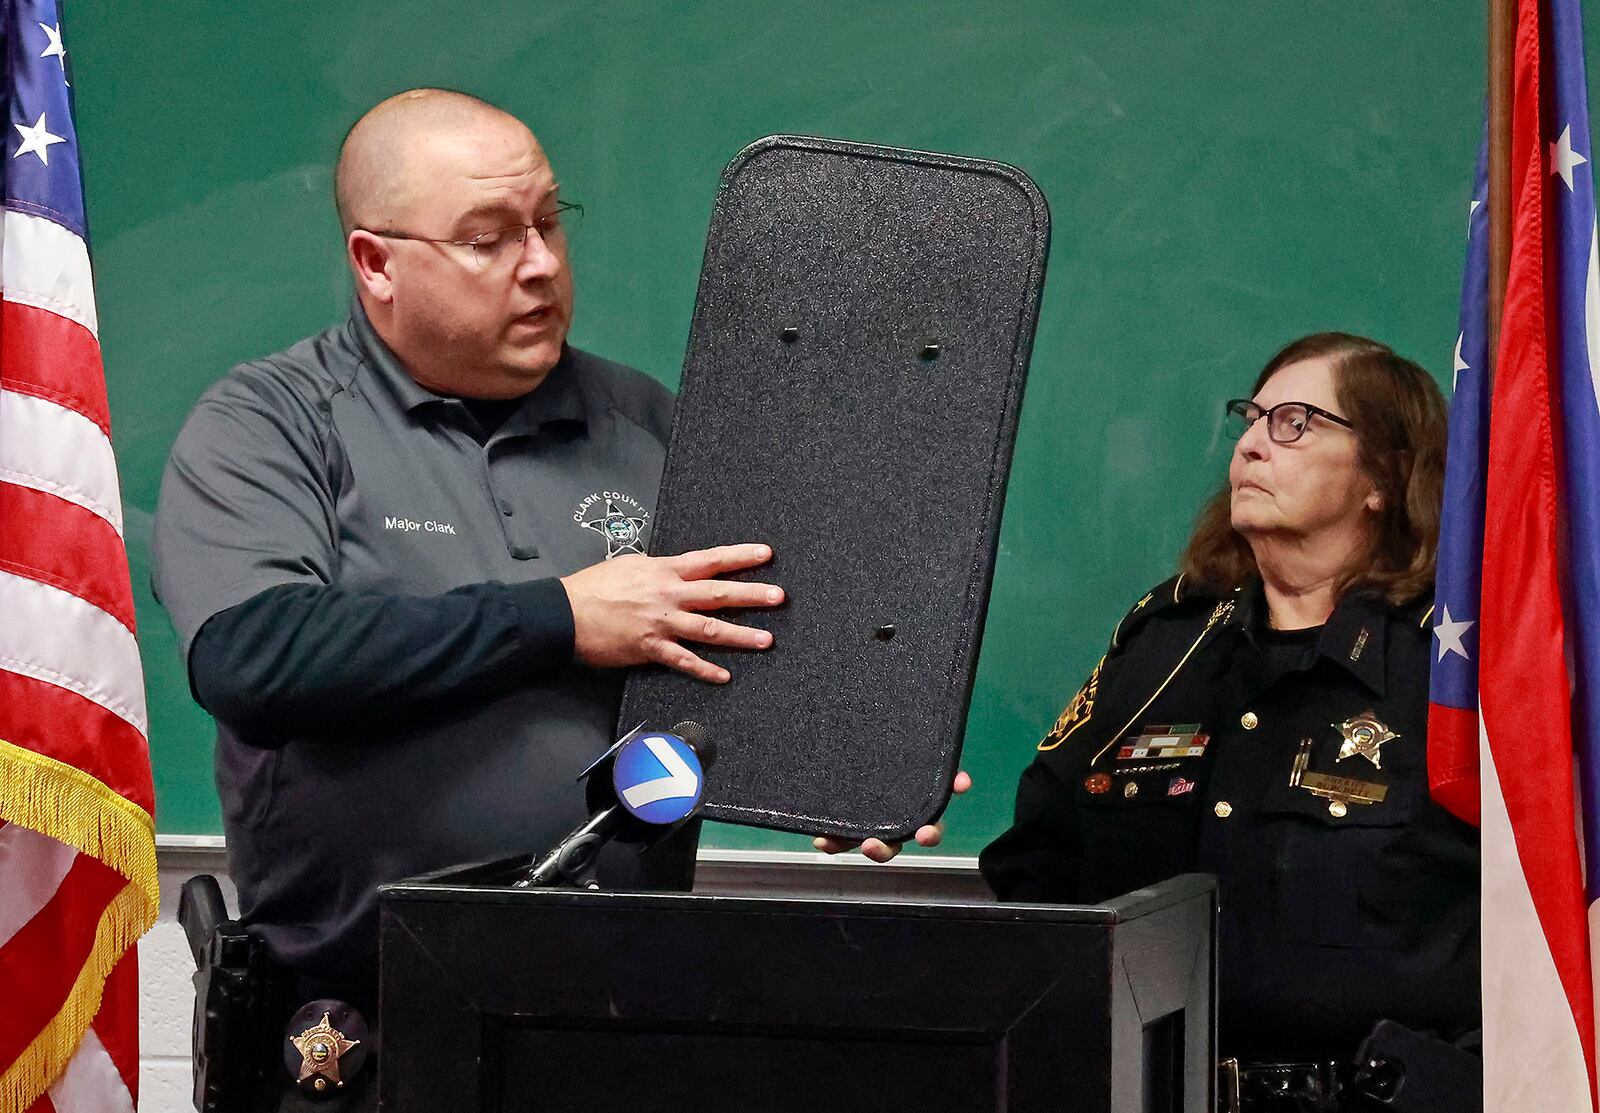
x,y
1319,1087
1396,1070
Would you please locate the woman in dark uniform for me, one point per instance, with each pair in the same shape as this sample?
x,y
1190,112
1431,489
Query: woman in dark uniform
x,y
1263,716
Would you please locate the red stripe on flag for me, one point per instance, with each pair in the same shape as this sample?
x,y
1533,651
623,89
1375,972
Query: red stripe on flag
x,y
61,544
42,961
48,356
117,1022
1524,687
1453,762
60,724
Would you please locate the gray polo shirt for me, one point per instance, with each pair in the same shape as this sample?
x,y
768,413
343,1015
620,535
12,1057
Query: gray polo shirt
x,y
327,464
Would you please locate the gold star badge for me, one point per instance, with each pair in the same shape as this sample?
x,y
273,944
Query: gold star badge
x,y
1363,734
320,1047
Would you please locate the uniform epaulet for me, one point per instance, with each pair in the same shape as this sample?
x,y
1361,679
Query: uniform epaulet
x,y
1165,595
1418,611
1423,608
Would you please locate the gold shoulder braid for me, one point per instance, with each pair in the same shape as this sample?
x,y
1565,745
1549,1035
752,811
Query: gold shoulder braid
x,y
1077,712
1222,613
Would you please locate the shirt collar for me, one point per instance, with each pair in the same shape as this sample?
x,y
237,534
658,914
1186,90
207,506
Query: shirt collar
x,y
390,374
557,400
1352,638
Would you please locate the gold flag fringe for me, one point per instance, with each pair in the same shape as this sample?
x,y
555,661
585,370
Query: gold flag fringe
x,y
69,805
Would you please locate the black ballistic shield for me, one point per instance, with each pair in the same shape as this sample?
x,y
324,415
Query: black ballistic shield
x,y
850,395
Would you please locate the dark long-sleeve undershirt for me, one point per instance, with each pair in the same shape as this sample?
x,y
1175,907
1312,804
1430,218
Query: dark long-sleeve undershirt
x,y
300,660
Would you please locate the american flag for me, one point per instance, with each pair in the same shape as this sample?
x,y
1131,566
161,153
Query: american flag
x,y
1514,726
77,844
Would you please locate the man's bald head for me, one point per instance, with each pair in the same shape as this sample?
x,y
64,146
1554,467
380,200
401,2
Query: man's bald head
x,y
453,232
382,164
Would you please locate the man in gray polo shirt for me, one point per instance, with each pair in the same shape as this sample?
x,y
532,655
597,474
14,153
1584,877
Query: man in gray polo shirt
x,y
404,557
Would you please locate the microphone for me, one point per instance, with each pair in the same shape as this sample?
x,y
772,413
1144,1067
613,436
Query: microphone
x,y
629,799
695,734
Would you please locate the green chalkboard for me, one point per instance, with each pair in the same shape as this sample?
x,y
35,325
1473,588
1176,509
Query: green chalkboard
x,y
1222,177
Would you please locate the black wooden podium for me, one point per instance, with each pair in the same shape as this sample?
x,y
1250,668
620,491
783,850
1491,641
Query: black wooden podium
x,y
496,998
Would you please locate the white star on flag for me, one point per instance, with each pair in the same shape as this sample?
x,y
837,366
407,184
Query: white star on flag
x,y
37,140
1472,211
1563,159
1449,635
56,49
1460,364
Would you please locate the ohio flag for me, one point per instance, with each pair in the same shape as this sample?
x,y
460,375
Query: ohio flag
x,y
1514,728
77,846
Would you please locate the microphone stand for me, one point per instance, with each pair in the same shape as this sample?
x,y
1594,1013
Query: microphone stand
x,y
572,859
574,856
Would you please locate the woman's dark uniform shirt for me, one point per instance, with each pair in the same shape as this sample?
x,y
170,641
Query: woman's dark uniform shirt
x,y
1196,744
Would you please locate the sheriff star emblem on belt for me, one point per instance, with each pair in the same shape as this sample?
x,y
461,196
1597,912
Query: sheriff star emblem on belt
x,y
320,1048
1364,734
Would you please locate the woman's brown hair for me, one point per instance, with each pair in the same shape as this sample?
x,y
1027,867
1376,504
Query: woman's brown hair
x,y
1399,419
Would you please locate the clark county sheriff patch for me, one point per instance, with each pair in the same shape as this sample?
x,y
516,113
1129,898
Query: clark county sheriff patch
x,y
619,518
1077,712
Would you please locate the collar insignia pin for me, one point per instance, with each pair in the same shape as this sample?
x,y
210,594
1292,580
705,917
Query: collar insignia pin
x,y
1361,643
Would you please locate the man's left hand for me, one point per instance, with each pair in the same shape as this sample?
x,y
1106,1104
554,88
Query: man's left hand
x,y
881,850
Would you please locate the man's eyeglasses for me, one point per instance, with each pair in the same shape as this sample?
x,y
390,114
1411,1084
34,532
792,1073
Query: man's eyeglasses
x,y
502,245
1286,422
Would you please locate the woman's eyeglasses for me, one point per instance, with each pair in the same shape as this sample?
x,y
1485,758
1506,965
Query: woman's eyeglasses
x,y
1286,422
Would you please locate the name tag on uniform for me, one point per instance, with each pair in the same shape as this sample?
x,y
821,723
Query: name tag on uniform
x,y
1341,792
1162,743
1348,789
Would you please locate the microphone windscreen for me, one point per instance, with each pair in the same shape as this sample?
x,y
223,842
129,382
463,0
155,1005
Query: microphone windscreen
x,y
695,734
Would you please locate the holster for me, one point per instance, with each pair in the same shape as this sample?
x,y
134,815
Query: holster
x,y
238,1004
1415,1072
